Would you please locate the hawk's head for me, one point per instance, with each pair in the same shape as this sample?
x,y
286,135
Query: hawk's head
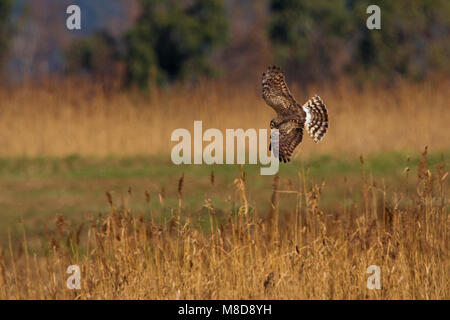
x,y
272,124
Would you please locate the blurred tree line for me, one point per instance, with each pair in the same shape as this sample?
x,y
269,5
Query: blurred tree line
x,y
173,40
321,40
6,29
326,39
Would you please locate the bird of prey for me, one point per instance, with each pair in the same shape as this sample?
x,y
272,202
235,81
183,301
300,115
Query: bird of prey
x,y
292,117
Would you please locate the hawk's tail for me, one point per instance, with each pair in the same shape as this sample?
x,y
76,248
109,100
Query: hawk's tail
x,y
316,118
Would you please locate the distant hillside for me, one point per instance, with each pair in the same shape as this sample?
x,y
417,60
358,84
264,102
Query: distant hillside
x,y
38,47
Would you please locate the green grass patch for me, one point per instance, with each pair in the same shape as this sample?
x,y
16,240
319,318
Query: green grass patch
x,y
37,189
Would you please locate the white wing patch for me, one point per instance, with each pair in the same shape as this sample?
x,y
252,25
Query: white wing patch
x,y
316,122
308,116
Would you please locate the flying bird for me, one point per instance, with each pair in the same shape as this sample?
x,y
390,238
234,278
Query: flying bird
x,y
291,117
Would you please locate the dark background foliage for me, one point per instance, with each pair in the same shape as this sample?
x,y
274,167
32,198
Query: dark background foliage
x,y
144,42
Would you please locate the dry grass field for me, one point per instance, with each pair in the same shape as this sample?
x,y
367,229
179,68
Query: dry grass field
x,y
77,118
306,253
217,233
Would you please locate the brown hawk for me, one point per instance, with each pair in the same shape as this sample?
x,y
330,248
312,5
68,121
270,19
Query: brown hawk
x,y
292,117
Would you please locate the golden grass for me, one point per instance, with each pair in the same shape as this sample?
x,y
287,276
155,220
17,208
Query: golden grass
x,y
75,117
244,252
306,253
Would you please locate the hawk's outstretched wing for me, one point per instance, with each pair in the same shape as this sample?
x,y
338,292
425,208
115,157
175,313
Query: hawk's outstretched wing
x,y
275,90
316,118
290,135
